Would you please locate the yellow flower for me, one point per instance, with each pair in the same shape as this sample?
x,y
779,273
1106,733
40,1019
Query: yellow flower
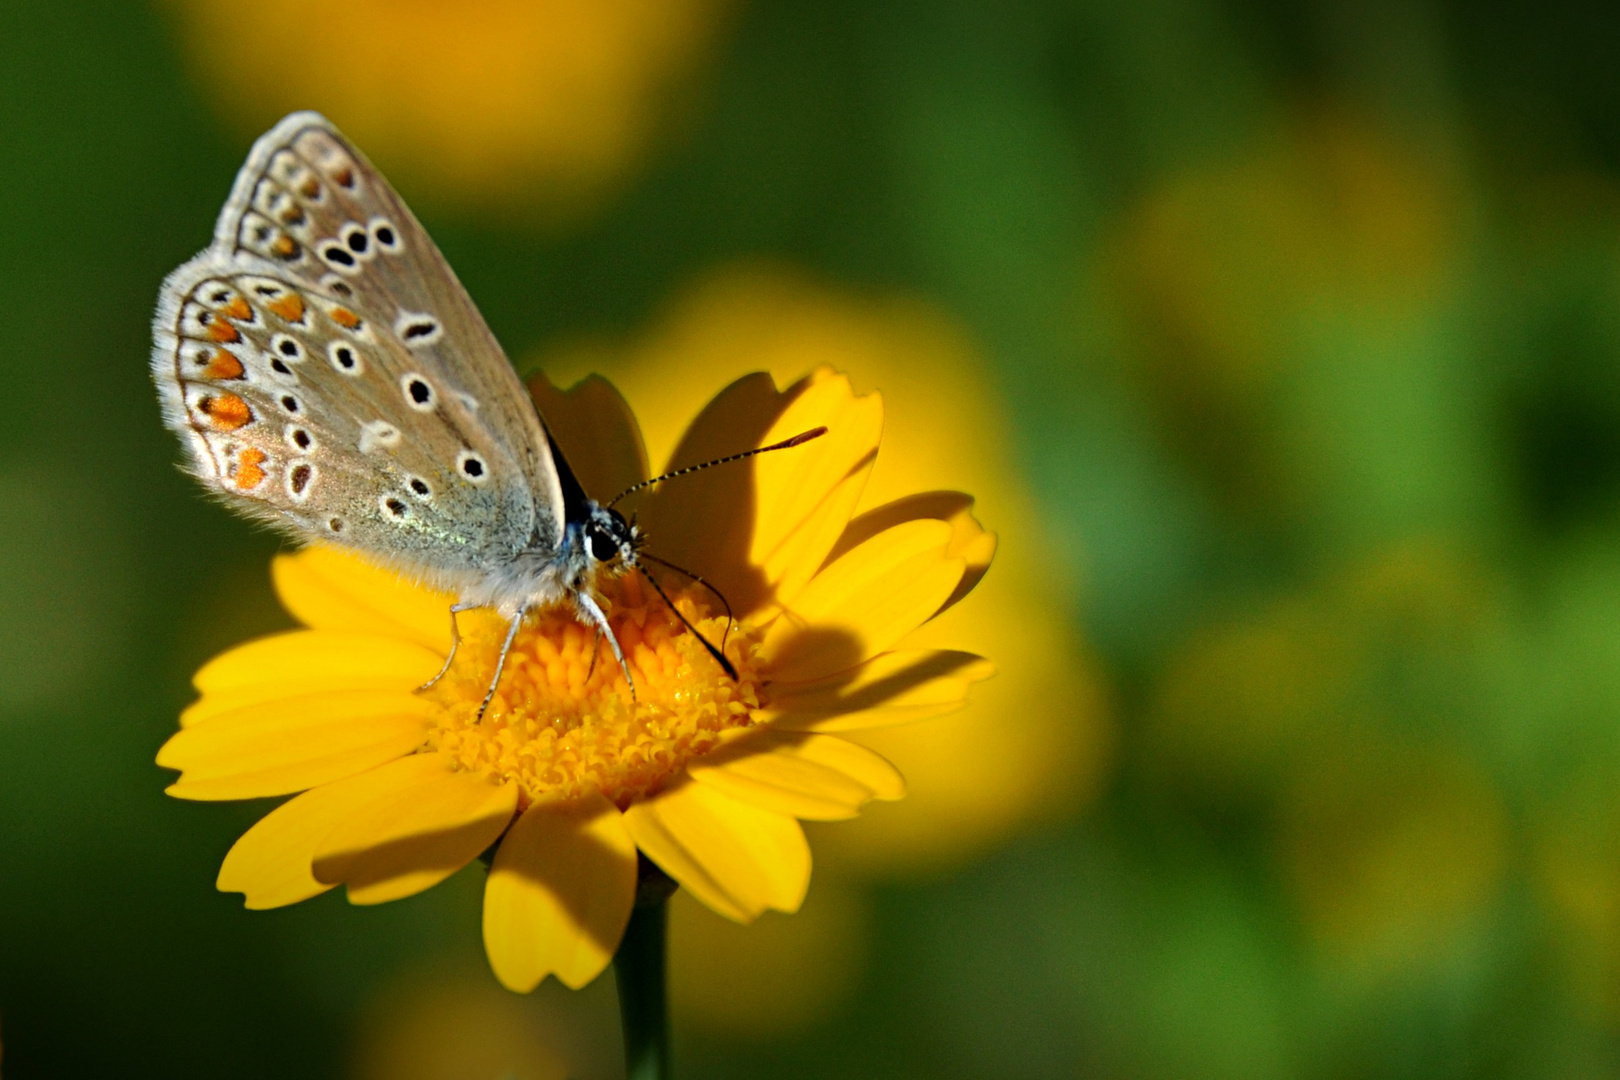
x,y
1032,746
482,101
567,772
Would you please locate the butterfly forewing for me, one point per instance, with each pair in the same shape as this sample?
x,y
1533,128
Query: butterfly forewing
x,y
332,375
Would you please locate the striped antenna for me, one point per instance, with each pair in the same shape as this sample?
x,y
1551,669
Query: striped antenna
x,y
801,437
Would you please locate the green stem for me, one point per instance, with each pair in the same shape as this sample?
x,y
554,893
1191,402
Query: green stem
x,y
639,968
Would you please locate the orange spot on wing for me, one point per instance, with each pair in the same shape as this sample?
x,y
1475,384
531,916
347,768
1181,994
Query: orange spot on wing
x,y
227,411
344,176
310,188
289,307
249,470
222,331
238,308
285,246
345,318
222,365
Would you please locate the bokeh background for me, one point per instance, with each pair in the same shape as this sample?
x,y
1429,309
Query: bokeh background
x,y
1280,342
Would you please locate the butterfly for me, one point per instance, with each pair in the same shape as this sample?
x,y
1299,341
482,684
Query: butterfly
x,y
329,375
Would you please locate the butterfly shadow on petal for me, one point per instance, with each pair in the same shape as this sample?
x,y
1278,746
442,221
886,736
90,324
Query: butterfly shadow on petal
x,y
955,508
704,522
445,851
598,433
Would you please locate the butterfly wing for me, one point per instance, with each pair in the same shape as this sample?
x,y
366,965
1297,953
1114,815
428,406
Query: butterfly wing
x,y
330,375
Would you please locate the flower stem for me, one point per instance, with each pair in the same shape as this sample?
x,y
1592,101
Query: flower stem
x,y
639,968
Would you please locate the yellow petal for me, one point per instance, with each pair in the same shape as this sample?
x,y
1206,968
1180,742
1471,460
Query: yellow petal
x,y
892,688
416,836
306,662
736,858
283,746
758,531
386,661
329,588
818,777
706,524
270,863
559,894
864,602
807,494
597,432
969,540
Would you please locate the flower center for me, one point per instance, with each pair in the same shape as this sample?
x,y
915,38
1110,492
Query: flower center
x,y
561,725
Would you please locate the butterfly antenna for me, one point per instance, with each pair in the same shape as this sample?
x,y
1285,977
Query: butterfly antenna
x,y
719,657
801,437
730,618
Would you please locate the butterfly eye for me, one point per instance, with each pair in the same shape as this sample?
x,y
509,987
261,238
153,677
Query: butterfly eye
x,y
603,546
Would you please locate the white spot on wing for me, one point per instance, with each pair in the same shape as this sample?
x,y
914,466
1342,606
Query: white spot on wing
x,y
300,480
418,392
345,357
378,434
386,235
471,467
418,330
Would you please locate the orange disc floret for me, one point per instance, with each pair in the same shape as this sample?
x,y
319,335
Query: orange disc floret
x,y
563,726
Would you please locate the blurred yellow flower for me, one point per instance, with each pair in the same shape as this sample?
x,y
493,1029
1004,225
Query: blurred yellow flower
x,y
1392,849
568,772
1577,876
538,103
1031,746
1229,280
1338,718
453,1029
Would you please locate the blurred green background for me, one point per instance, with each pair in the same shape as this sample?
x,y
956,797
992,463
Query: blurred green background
x,y
1306,320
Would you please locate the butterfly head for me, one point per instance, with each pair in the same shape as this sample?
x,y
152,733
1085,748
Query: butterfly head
x,y
611,542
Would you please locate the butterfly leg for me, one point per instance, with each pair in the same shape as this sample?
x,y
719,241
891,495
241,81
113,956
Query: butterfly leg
x,y
590,611
500,664
596,650
455,643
